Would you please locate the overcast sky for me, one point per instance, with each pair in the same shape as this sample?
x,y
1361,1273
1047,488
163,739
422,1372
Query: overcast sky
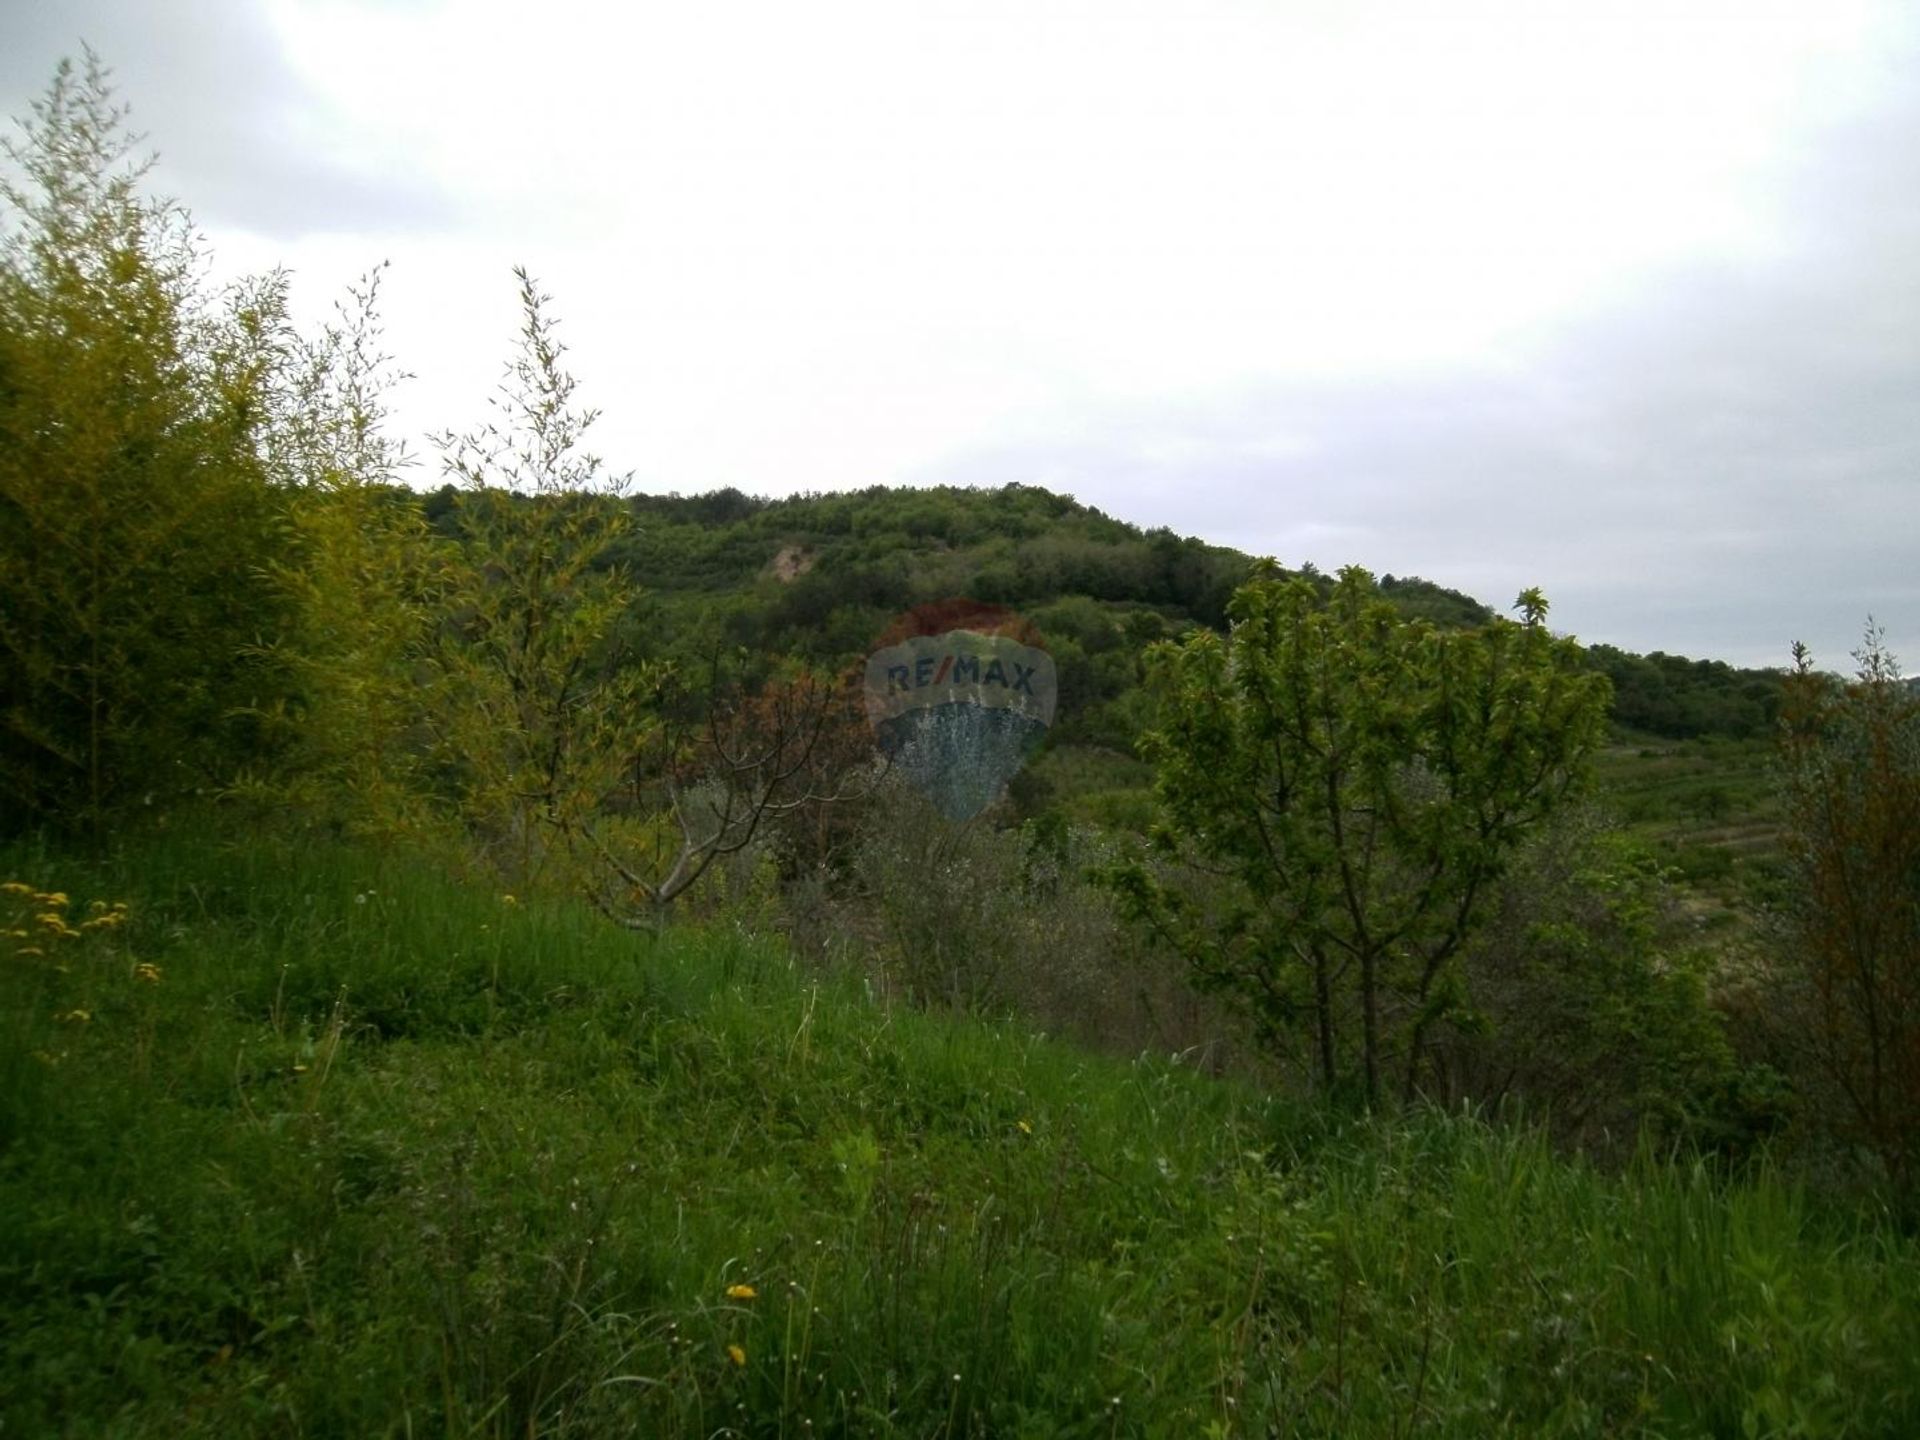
x,y
1618,299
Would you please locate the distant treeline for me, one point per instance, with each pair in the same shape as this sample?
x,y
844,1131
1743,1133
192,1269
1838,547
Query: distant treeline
x,y
855,559
1682,699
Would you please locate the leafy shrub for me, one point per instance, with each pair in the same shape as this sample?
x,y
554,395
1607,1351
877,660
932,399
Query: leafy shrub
x,y
1588,1001
1851,919
137,520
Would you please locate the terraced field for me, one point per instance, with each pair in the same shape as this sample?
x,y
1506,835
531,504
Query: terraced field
x,y
1708,806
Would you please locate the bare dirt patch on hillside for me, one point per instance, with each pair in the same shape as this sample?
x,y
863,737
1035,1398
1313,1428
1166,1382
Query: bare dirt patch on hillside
x,y
792,562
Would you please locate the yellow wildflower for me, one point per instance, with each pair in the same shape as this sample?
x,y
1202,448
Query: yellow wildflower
x,y
736,1354
29,950
14,887
75,1016
1025,1128
53,897
147,972
742,1292
508,900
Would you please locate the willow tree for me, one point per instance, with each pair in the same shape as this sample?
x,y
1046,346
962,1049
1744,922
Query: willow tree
x,y
136,517
1355,782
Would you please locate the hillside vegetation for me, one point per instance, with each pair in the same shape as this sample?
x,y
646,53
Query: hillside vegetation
x,y
318,1144
470,966
822,576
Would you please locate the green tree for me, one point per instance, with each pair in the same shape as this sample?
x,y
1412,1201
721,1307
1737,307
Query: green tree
x,y
1355,782
1851,763
136,514
534,719
558,750
363,575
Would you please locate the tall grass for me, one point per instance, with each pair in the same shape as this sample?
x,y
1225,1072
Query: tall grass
x,y
377,1155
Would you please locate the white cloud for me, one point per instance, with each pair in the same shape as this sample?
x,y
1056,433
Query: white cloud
x,y
1385,260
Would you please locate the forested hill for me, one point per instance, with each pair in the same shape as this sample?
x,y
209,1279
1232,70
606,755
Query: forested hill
x,y
821,576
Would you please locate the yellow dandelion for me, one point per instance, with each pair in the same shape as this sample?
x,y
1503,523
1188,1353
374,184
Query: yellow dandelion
x,y
29,950
54,897
508,900
74,1017
96,907
14,887
148,973
1025,1127
736,1354
742,1292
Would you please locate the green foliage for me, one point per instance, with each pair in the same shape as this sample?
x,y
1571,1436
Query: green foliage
x,y
296,1139
136,517
1680,699
1587,1004
533,721
364,578
1363,779
1851,770
374,1154
1419,599
870,554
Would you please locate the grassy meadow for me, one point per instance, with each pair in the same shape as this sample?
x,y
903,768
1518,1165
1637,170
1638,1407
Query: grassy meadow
x,y
314,1142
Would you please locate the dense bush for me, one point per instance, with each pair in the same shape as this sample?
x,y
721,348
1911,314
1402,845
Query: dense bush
x,y
1851,917
138,521
1588,1004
